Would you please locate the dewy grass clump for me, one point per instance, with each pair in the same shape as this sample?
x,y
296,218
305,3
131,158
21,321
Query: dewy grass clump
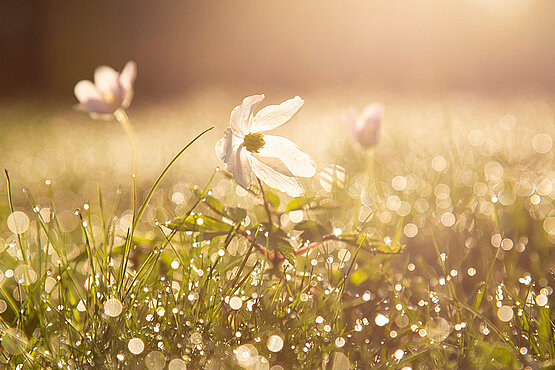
x,y
395,257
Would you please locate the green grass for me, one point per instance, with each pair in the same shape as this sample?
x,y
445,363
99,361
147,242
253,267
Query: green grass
x,y
416,259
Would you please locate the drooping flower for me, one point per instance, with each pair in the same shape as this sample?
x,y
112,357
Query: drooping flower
x,y
276,161
110,91
365,127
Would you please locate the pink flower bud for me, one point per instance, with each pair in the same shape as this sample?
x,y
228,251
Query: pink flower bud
x,y
365,127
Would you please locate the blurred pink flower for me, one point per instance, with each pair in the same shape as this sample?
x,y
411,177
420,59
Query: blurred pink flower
x,y
110,91
365,127
274,160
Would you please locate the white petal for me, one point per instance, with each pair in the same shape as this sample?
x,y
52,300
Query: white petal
x,y
221,146
373,112
226,145
241,116
230,150
297,161
97,108
274,116
85,90
128,74
368,127
127,79
106,79
274,174
239,166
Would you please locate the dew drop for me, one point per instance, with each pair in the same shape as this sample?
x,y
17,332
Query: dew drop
x,y
247,355
505,313
196,338
541,300
25,275
136,346
366,296
381,320
410,230
112,307
235,302
177,364
339,342
81,306
438,329
439,163
340,362
14,341
274,343
155,360
18,222
344,255
296,216
542,143
448,219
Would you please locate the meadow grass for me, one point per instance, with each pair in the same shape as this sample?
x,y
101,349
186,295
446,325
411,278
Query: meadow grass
x,y
432,250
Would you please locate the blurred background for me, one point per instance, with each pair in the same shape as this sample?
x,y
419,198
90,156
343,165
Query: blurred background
x,y
417,46
441,68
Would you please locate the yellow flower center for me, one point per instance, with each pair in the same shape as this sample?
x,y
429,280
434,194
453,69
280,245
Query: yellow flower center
x,y
109,97
254,142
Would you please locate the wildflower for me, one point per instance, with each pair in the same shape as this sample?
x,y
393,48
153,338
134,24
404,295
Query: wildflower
x,y
110,91
365,127
274,160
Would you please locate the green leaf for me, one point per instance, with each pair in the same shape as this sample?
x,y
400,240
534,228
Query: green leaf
x,y
198,223
300,203
236,214
359,276
390,249
210,235
394,246
479,296
283,246
311,230
273,199
276,239
211,202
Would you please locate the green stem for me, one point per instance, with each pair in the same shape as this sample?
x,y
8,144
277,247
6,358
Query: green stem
x,y
125,122
129,239
266,206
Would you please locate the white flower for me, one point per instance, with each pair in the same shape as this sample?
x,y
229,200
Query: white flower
x,y
365,127
110,91
274,160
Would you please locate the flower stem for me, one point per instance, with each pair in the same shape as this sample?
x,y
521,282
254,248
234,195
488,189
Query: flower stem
x,y
371,166
265,203
125,122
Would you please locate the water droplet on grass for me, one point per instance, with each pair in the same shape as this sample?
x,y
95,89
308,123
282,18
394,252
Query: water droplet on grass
x,y
339,342
235,302
155,360
340,362
18,222
112,307
247,355
541,300
381,320
177,364
136,346
505,313
275,343
438,329
399,354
